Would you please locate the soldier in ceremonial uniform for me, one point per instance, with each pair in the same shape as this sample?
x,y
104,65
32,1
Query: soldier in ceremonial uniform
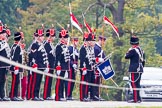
x,y
137,61
5,52
99,55
87,60
74,55
40,62
23,76
29,82
48,44
16,55
62,64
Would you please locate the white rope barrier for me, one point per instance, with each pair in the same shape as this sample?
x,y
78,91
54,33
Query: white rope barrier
x,y
8,61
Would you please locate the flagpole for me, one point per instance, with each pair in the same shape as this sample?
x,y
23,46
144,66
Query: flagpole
x,y
59,25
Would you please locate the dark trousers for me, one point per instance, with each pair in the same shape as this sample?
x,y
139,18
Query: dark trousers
x,y
91,79
85,88
29,86
70,84
36,83
97,81
47,85
14,85
3,72
59,87
135,82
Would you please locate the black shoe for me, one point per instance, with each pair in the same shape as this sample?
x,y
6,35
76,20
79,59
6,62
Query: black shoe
x,y
49,98
36,99
1,99
69,98
41,99
139,101
6,99
95,98
62,99
85,100
101,99
15,99
20,99
131,101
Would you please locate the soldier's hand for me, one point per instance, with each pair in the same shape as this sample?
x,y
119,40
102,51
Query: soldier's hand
x,y
35,66
84,72
74,66
30,72
76,53
58,72
101,60
66,75
16,72
46,70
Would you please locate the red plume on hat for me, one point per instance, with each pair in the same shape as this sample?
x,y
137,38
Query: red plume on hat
x,y
4,29
39,32
63,34
50,32
1,26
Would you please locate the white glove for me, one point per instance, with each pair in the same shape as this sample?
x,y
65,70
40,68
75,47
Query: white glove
x,y
101,60
76,53
74,66
84,72
66,75
16,72
30,72
46,70
58,72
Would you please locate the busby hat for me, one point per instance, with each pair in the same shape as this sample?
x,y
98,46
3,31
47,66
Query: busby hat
x,y
88,37
39,32
50,32
4,29
63,34
17,36
134,40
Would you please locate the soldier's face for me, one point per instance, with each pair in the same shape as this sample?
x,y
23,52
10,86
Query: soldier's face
x,y
102,42
92,43
3,36
52,38
41,38
65,39
76,43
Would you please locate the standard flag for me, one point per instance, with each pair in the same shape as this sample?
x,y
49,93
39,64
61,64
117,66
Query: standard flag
x,y
75,22
107,21
106,69
87,26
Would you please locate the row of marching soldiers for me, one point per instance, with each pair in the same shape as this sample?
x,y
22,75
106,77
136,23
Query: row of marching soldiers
x,y
44,56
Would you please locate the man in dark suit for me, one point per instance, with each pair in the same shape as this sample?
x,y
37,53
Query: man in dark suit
x,y
17,56
62,64
99,55
87,61
74,55
5,52
137,61
40,62
49,47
